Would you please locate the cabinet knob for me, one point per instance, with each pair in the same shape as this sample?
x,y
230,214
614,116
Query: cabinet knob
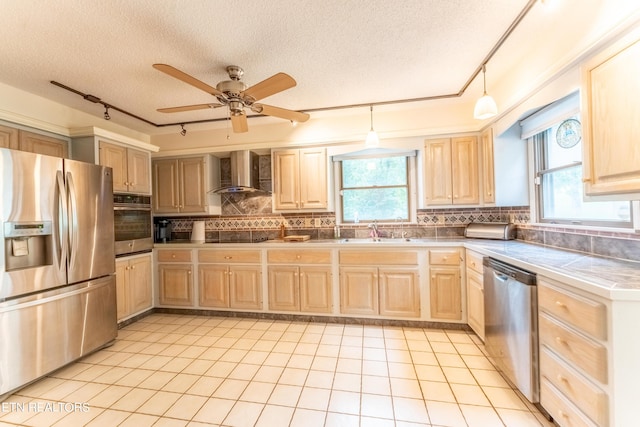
x,y
561,304
561,341
561,378
173,256
297,256
189,272
231,273
455,196
133,267
489,194
227,257
127,267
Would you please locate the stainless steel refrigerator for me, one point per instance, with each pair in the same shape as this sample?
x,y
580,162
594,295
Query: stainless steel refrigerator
x,y
57,273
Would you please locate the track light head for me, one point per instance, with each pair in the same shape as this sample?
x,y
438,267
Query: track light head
x,y
106,113
183,132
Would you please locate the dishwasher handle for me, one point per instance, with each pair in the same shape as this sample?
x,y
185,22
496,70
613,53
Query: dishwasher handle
x,y
523,276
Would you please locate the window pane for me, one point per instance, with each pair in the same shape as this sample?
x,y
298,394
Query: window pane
x,y
374,172
562,199
375,204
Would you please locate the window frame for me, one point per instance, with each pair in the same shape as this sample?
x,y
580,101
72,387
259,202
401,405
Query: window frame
x,y
411,185
538,142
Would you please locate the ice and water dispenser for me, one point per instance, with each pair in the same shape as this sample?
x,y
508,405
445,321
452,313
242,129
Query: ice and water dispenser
x,y
27,244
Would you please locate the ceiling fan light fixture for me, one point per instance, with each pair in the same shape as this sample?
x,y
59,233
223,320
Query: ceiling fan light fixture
x,y
485,106
372,137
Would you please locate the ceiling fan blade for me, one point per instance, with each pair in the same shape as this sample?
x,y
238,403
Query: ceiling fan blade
x,y
188,108
283,113
239,123
174,72
274,84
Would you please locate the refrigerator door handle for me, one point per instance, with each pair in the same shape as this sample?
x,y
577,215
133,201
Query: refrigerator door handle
x,y
73,221
62,223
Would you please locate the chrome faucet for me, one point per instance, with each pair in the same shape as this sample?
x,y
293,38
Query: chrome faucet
x,y
375,234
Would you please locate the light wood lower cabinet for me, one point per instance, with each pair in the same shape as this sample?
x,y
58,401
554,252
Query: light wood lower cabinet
x,y
445,284
392,291
175,277
305,286
225,281
176,284
475,293
133,285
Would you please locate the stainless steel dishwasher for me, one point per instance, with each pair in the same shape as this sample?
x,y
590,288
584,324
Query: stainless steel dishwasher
x,y
511,324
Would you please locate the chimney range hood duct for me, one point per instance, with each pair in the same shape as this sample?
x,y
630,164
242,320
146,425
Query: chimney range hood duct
x,y
245,173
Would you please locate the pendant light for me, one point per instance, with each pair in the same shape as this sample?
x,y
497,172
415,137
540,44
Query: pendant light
x,y
485,107
372,136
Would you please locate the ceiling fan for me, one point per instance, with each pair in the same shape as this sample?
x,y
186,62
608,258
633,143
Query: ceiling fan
x,y
235,95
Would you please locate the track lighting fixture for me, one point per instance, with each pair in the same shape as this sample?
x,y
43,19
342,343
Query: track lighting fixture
x,y
106,112
294,123
485,107
183,132
372,136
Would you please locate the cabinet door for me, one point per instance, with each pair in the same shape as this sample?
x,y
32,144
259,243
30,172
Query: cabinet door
x,y
245,287
315,289
488,173
286,194
475,302
610,111
176,284
359,290
165,186
138,171
9,137
464,170
122,284
41,144
140,284
399,292
437,172
192,189
283,288
313,178
213,285
115,157
445,293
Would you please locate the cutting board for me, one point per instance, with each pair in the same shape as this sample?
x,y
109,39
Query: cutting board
x,y
300,238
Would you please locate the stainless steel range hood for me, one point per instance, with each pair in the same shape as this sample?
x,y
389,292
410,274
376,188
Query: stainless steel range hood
x,y
245,173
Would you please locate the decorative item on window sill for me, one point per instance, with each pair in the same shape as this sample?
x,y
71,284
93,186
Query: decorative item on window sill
x,y
485,107
372,137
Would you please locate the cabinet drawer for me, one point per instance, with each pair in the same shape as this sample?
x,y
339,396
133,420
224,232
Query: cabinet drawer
x,y
299,256
474,261
378,258
581,351
228,256
583,313
562,411
445,257
589,398
174,255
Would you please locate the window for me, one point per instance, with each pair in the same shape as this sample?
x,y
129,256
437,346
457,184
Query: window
x,y
375,188
559,185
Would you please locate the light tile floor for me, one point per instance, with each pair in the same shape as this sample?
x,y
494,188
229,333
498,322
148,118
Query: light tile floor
x,y
175,370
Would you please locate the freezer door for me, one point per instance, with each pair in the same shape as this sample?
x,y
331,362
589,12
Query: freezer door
x,y
90,230
31,253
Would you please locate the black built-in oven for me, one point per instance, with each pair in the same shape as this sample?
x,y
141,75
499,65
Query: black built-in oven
x,y
133,223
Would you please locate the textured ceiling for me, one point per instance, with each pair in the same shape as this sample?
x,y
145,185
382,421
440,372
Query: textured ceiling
x,y
341,52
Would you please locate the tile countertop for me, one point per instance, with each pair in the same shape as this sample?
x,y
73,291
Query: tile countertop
x,y
610,278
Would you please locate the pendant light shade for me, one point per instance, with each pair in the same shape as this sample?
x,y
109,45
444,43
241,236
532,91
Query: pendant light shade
x,y
485,107
372,136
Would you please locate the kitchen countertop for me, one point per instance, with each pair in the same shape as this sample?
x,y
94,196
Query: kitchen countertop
x,y
610,278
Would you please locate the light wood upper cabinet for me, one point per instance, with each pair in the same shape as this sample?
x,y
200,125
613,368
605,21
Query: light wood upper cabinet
x,y
451,171
178,185
181,185
42,144
300,179
8,137
130,168
610,111
488,172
